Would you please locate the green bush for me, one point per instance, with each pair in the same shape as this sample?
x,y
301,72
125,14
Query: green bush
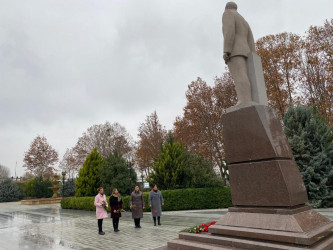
x,y
29,188
179,199
22,188
9,191
38,188
68,188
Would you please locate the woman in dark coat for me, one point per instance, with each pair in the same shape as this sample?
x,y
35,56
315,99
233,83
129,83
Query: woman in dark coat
x,y
116,208
156,202
137,204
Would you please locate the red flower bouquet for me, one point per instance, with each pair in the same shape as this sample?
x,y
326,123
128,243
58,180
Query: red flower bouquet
x,y
155,211
202,228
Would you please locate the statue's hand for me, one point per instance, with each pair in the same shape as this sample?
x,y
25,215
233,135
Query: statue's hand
x,y
226,57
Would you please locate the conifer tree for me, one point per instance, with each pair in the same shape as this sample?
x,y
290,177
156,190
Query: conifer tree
x,y
115,174
168,168
89,175
310,139
175,167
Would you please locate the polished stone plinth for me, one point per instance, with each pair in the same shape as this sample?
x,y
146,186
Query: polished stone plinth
x,y
254,133
267,191
281,187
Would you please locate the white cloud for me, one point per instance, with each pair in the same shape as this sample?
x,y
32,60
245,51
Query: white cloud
x,y
66,65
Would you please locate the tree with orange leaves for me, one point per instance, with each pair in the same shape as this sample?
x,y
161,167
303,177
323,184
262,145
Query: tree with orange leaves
x,y
200,126
317,68
281,59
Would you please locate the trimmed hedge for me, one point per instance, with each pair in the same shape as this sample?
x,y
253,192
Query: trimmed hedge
x,y
180,199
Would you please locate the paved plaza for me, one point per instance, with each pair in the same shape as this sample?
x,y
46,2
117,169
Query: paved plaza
x,y
50,227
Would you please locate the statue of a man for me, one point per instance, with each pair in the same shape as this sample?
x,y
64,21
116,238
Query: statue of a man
x,y
238,43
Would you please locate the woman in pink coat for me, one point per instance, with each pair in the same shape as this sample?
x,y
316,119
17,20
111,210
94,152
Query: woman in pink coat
x,y
101,204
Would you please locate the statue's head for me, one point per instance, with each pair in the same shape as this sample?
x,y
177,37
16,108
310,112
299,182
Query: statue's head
x,y
231,6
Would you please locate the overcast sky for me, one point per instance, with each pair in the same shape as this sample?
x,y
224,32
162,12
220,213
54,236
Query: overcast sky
x,y
68,64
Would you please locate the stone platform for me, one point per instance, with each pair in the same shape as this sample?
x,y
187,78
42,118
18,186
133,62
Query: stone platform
x,y
187,241
41,201
267,191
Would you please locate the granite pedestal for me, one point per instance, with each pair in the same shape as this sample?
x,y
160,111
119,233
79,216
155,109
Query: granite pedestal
x,y
267,191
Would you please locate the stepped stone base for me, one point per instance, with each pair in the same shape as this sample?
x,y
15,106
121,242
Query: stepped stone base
x,y
203,241
268,228
300,225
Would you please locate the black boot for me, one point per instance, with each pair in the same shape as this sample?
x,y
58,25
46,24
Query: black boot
x,y
139,226
154,220
114,224
117,225
159,220
100,223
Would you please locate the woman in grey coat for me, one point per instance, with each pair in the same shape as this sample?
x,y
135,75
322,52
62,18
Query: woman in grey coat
x,y
137,204
156,202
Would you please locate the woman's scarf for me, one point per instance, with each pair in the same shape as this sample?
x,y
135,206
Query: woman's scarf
x,y
118,196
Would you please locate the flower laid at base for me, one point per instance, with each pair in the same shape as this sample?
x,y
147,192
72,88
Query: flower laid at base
x,y
202,228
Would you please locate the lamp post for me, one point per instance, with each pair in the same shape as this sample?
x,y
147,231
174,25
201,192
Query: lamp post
x,y
143,186
63,183
129,165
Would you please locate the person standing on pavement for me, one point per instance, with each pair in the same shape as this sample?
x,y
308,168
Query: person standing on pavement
x,y
137,204
116,208
156,202
101,205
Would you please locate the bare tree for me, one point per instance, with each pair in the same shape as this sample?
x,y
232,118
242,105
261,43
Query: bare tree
x,y
68,163
4,172
105,138
41,157
151,137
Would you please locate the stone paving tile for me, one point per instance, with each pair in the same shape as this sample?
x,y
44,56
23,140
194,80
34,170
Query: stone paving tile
x,y
50,227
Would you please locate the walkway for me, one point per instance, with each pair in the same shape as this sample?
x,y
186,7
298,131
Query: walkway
x,y
50,227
